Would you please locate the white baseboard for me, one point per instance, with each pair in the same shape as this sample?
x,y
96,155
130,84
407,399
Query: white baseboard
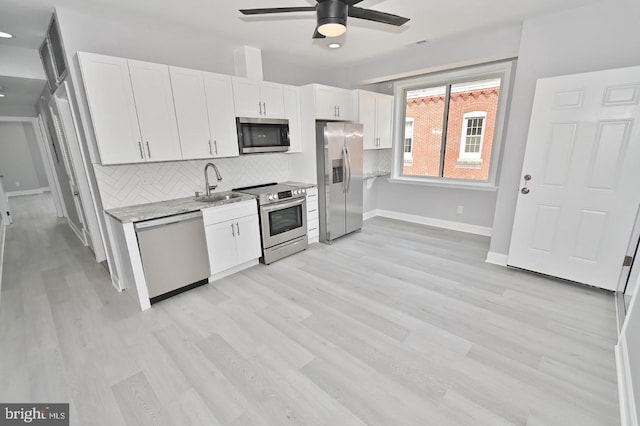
x,y
438,223
625,389
497,258
28,192
368,215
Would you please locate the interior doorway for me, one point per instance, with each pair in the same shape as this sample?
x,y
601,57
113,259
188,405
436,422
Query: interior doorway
x,y
61,131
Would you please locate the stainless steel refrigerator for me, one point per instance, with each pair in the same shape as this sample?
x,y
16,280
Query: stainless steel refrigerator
x,y
339,155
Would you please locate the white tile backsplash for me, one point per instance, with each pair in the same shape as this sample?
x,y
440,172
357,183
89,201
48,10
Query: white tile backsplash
x,y
377,160
132,184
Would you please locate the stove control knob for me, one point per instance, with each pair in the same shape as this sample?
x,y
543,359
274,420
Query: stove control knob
x,y
270,197
302,191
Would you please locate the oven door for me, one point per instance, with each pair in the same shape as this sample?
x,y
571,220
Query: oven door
x,y
282,222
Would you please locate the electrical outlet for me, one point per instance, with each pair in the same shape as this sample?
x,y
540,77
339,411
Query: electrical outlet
x,y
146,179
460,209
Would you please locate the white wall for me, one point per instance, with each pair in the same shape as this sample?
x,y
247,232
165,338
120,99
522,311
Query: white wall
x,y
592,38
20,160
628,362
429,201
466,49
20,62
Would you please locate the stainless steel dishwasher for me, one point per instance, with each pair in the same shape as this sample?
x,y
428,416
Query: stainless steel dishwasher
x,y
174,254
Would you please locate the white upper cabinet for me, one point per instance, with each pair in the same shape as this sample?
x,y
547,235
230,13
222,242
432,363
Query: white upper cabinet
x,y
258,99
206,121
191,112
222,120
375,112
131,105
156,112
292,113
113,109
333,103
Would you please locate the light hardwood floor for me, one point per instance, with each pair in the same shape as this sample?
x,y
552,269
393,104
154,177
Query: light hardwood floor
x,y
396,325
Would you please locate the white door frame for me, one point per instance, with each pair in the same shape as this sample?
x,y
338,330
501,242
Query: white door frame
x,y
52,179
71,172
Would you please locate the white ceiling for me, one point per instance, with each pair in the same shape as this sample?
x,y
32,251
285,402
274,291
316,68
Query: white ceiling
x,y
290,34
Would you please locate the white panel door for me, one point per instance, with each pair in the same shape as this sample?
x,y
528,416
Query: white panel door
x,y
113,110
156,112
191,113
222,120
576,213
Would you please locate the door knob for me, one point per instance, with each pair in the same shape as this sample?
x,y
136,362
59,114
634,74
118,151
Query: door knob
x,y
525,190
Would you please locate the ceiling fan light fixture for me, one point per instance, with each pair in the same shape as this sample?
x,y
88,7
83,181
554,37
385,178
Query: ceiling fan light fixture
x,y
332,29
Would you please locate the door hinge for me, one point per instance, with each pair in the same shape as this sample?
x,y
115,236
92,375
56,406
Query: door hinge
x,y
628,261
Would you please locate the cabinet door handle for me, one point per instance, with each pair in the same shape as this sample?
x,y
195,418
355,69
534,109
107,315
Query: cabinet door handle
x,y
335,110
264,104
215,145
237,228
210,151
338,110
260,106
148,149
141,151
233,231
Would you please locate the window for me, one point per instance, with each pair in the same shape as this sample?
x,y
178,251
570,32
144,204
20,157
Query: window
x,y
452,125
408,140
471,144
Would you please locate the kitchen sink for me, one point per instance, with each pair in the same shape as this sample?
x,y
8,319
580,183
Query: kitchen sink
x,y
217,197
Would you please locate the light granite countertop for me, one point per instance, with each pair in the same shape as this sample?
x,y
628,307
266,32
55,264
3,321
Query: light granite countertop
x,y
375,174
300,184
158,209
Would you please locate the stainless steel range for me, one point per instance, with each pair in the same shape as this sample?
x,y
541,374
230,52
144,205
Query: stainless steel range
x,y
283,219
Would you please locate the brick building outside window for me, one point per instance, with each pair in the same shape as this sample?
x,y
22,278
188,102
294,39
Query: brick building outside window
x,y
470,114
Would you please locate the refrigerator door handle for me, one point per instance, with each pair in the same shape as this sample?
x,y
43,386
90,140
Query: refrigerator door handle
x,y
348,162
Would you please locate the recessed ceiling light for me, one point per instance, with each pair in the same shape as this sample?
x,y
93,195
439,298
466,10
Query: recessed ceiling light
x,y
5,35
334,45
1,95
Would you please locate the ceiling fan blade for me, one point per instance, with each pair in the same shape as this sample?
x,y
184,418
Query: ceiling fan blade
x,y
374,15
277,10
351,2
317,34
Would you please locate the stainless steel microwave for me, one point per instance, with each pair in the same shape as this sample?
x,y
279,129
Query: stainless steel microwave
x,y
262,135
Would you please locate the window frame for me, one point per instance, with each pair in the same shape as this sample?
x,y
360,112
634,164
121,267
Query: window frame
x,y
406,160
503,70
464,155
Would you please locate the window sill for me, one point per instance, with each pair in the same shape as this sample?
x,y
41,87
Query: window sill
x,y
484,186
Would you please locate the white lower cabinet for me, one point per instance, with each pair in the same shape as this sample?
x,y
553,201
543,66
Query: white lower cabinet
x,y
233,235
313,231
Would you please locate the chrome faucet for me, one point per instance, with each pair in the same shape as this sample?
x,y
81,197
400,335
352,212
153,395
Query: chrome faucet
x,y
208,187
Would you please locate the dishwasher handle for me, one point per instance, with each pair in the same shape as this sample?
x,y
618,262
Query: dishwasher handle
x,y
168,220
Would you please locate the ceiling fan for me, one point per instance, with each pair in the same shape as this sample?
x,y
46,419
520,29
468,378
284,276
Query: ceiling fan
x,y
332,15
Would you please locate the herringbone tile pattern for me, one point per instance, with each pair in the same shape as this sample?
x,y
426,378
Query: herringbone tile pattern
x,y
131,184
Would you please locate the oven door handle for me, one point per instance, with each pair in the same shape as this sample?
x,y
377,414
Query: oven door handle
x,y
278,206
